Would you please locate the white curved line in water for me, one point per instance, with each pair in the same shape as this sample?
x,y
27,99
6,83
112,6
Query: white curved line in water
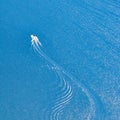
x,y
60,107
36,46
67,94
62,80
63,100
66,87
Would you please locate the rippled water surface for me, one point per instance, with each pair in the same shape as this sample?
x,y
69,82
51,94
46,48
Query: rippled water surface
x,y
74,75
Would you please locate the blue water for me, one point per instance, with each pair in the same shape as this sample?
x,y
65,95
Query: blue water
x,y
82,38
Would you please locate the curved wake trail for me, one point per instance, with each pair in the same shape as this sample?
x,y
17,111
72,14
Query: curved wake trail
x,y
67,90
63,100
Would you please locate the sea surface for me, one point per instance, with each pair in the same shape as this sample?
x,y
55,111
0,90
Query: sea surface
x,y
75,74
